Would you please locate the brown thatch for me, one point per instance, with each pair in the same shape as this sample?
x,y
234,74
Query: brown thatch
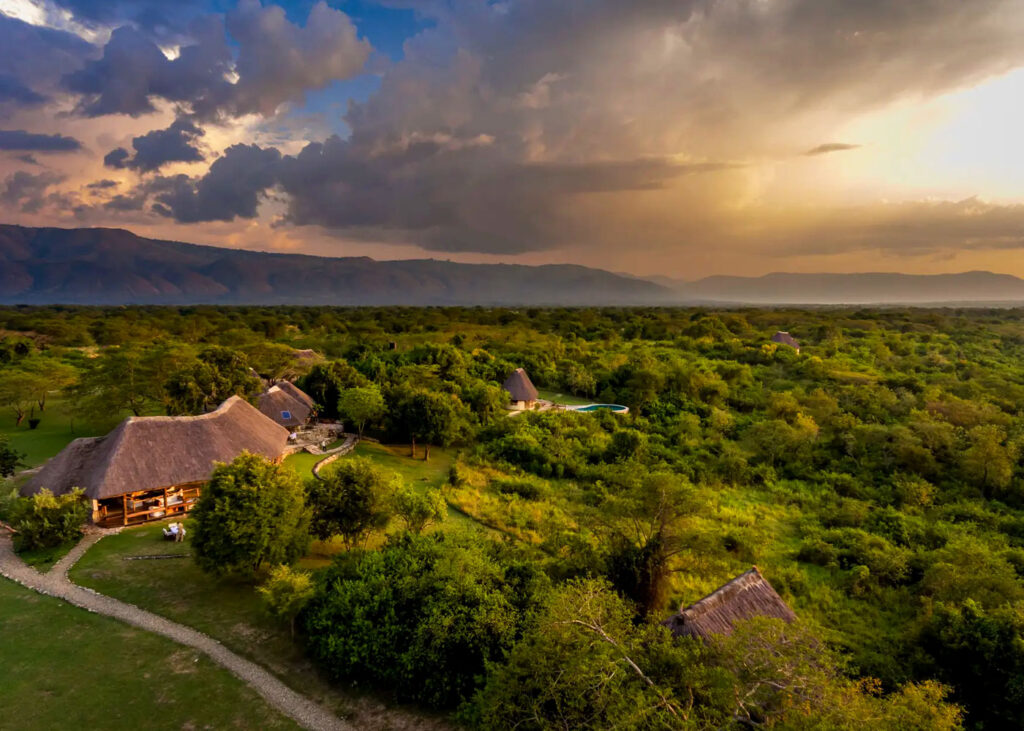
x,y
747,596
152,452
520,386
286,404
784,338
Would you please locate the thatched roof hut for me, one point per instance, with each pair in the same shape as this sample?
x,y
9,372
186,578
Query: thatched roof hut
x,y
784,338
287,404
520,387
747,596
154,452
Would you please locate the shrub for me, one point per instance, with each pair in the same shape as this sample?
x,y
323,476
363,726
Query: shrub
x,y
424,615
46,520
286,593
523,487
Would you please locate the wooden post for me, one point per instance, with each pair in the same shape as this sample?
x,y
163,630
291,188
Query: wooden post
x,y
124,508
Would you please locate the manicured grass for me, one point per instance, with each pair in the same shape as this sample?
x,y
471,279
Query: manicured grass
x,y
57,427
225,609
63,667
302,463
44,558
413,470
564,398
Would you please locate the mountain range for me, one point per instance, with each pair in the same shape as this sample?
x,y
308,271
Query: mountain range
x,y
114,266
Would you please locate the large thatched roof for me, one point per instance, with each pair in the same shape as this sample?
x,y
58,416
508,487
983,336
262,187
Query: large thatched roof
x,y
785,338
520,386
150,452
286,404
747,596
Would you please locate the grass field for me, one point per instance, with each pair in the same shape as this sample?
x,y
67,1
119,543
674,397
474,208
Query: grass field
x,y
43,558
56,428
63,667
564,398
229,611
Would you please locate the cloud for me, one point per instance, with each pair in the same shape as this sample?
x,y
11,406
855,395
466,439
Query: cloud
x,y
276,62
27,191
231,189
155,149
14,91
829,147
19,139
102,184
909,228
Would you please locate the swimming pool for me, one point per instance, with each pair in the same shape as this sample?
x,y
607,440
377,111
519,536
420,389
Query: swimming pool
x,y
616,408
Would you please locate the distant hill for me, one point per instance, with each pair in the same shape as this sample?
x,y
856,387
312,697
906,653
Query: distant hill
x,y
114,266
869,288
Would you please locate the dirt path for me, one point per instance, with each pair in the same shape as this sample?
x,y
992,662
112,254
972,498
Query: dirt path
x,y
56,584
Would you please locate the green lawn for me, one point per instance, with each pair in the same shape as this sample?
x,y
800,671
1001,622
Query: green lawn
x,y
63,667
414,471
227,610
56,428
43,559
564,398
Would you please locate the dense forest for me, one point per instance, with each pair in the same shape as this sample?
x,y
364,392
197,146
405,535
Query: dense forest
x,y
875,477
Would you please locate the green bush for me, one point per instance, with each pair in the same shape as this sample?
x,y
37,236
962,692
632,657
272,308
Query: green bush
x,y
251,513
423,616
46,520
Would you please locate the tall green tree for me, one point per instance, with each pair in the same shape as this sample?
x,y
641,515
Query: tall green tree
x,y
250,514
351,498
361,405
217,374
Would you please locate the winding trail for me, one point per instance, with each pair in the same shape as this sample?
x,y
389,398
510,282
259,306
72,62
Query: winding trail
x,y
55,583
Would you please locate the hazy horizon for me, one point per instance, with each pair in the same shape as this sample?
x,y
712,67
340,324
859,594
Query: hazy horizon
x,y
684,138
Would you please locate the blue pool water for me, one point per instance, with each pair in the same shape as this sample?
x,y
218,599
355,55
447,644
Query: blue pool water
x,y
599,407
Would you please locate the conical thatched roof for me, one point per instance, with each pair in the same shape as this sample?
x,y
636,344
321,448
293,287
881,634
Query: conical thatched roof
x,y
785,338
151,452
287,404
747,596
520,386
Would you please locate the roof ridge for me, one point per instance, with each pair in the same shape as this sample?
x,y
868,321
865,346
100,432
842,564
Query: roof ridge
x,y
219,411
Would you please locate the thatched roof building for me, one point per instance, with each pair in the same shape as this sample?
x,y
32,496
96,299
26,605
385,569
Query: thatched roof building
x,y
287,404
145,453
784,338
747,596
521,388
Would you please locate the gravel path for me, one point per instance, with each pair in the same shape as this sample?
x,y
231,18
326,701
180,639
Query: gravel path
x,y
55,583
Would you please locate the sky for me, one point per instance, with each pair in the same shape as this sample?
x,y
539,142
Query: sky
x,y
680,138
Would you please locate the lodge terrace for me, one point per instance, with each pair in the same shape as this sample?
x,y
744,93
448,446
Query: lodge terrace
x,y
152,467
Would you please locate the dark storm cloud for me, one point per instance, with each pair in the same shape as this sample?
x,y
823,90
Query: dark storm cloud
x,y
276,62
503,118
829,147
19,139
27,191
14,91
159,147
102,184
33,59
231,189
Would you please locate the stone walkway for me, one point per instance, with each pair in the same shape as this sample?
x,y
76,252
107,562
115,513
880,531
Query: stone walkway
x,y
55,583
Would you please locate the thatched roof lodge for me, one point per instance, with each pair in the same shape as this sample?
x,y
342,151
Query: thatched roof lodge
x,y
521,389
784,338
287,404
149,467
747,596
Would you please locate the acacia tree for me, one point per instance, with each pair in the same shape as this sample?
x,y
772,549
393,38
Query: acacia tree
x,y
430,417
351,499
217,374
252,512
361,405
418,510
